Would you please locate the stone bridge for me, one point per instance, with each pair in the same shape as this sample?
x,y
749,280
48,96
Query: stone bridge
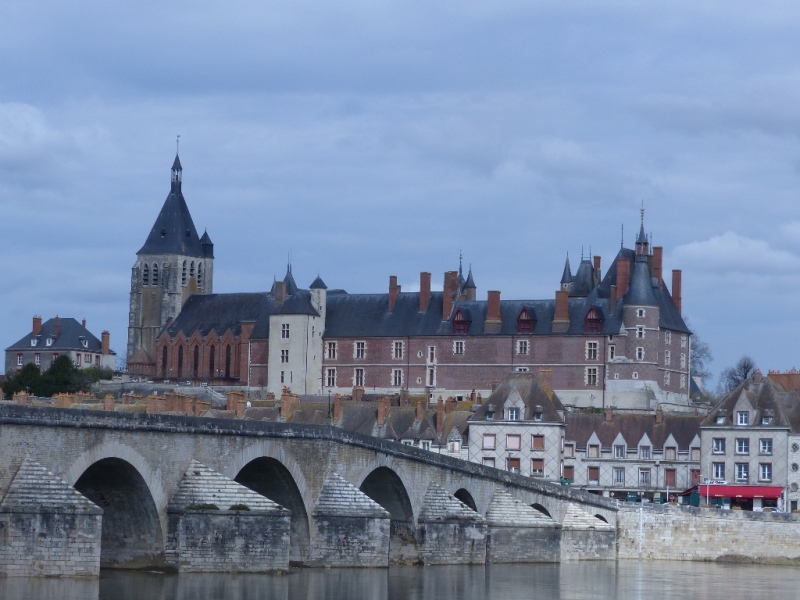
x,y
82,489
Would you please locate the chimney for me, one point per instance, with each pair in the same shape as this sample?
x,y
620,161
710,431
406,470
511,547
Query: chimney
x,y
37,325
280,292
658,257
757,376
439,416
286,403
57,327
383,408
83,323
393,291
623,273
450,285
358,393
450,405
493,319
420,410
106,342
337,408
561,316
676,288
596,271
659,415
424,291
609,414
613,297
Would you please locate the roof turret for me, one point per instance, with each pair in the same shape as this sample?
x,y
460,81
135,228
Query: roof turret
x,y
291,286
567,276
207,244
469,284
318,284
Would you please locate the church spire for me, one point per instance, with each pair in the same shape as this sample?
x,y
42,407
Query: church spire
x,y
642,244
177,174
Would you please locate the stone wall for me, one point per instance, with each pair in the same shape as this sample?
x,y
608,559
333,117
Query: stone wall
x,y
688,533
523,544
351,542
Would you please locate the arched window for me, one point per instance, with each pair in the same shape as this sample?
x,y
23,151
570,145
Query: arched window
x,y
228,361
191,269
155,274
460,323
146,275
183,274
200,275
525,322
180,361
211,365
196,366
164,362
593,323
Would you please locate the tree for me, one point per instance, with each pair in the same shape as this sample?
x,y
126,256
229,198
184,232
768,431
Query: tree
x,y
700,357
733,377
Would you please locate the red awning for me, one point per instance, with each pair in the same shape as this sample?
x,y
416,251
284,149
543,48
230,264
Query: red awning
x,y
741,491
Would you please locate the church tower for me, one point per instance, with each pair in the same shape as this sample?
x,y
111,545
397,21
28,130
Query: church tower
x,y
173,264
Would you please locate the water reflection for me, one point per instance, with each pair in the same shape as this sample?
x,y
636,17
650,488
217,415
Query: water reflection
x,y
579,581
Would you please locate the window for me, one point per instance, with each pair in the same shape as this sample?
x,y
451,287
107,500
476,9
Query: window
x,y
85,343
458,347
183,274
191,269
211,365
359,349
683,382
742,472
640,312
591,350
537,467
37,359
742,417
765,446
640,353
397,377
200,275
513,441
569,472
512,465
78,359
640,332
644,476
49,342
460,324
146,275
593,451
742,446
612,352
634,375
683,360
718,470
765,472
522,369
34,341
694,475
669,477
766,420
397,349
718,446
537,413
590,376
358,377
285,331
431,376
523,347
594,475
55,355
19,360
644,451
87,358
695,453
525,323
670,453
426,445
667,357
667,378
668,337
284,356
488,461
683,341
537,442
593,323
489,441
330,377
619,451
331,350
431,354
569,451
619,476
720,420
513,414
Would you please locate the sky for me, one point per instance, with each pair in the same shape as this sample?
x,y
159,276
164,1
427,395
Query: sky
x,y
376,138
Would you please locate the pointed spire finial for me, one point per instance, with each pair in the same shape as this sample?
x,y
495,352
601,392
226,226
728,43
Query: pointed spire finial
x,y
622,237
178,144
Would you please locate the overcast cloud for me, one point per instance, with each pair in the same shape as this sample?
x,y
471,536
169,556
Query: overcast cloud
x,y
371,139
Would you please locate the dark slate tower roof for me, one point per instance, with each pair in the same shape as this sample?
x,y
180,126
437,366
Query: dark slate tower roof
x,y
583,283
174,231
207,244
470,283
640,288
291,286
318,284
567,276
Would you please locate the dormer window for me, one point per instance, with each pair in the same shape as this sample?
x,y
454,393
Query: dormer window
x,y
593,323
525,323
742,417
513,414
49,342
490,412
84,342
34,341
720,420
537,413
460,324
766,420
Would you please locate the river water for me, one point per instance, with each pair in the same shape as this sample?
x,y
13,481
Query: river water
x,y
624,580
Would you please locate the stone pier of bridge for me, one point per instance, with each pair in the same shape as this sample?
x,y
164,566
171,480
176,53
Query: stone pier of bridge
x,y
81,490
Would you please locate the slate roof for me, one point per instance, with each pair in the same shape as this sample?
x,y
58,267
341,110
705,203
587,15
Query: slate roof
x,y
632,426
532,394
318,284
765,397
220,312
299,303
174,231
69,337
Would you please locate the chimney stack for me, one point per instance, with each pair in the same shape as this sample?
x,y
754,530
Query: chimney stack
x,y
280,292
659,415
596,271
393,291
623,273
609,414
439,416
450,286
424,291
358,393
337,407
658,257
106,342
493,318
57,327
613,297
450,405
420,410
383,408
676,288
37,325
561,316
757,376
83,323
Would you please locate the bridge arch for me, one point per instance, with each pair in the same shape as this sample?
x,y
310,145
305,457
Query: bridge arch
x,y
465,497
275,475
131,535
541,509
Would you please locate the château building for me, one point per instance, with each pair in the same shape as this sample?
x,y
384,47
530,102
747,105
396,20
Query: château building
x,y
614,338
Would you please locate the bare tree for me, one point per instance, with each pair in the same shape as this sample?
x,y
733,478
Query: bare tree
x,y
733,377
700,357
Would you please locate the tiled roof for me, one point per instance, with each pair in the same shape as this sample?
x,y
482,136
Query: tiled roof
x,y
532,394
633,426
